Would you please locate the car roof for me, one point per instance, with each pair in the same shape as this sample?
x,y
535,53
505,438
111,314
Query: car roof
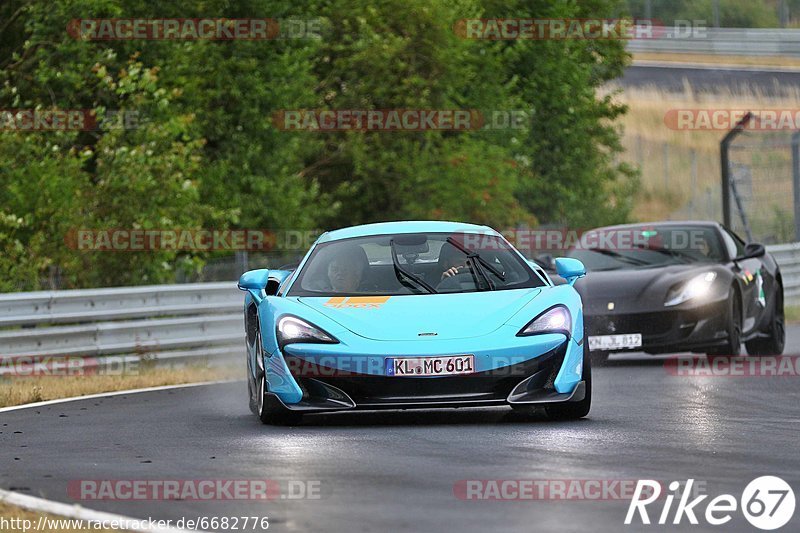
x,y
411,226
679,223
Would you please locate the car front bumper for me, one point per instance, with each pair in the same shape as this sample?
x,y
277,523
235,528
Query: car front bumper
x,y
527,370
668,330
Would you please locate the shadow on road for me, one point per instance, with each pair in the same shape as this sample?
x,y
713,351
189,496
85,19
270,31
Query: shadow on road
x,y
647,360
432,417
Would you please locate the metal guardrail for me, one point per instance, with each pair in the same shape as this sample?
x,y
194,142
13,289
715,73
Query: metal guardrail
x,y
724,41
168,322
162,322
788,258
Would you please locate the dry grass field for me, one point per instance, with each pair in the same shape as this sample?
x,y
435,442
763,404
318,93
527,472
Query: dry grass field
x,y
666,156
20,390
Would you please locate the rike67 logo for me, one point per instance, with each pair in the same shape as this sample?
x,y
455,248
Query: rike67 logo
x,y
767,503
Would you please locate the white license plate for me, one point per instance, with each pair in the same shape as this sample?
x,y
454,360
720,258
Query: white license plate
x,y
449,365
615,342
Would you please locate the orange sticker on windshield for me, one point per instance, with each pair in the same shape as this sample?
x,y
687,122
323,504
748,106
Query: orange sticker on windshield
x,y
362,302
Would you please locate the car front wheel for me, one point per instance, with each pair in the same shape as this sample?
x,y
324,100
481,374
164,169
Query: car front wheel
x,y
775,340
733,346
579,409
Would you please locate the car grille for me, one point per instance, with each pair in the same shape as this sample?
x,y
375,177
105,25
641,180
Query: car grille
x,y
373,390
648,324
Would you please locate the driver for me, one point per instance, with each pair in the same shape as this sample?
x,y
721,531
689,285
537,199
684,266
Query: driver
x,y
346,269
451,260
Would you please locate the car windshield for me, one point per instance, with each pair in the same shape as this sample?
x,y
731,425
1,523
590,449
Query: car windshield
x,y
419,263
647,247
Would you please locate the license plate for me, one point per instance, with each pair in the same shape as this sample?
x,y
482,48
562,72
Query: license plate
x,y
449,365
615,342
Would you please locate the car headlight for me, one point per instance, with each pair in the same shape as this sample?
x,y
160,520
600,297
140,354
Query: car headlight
x,y
291,329
697,287
555,320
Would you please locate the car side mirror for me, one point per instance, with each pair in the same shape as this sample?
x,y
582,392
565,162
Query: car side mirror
x,y
570,269
254,280
752,250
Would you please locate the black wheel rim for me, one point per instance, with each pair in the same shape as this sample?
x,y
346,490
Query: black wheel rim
x,y
261,395
261,374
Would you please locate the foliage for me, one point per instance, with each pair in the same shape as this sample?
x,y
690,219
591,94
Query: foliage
x,y
204,153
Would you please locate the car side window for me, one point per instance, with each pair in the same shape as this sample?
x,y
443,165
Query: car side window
x,y
733,243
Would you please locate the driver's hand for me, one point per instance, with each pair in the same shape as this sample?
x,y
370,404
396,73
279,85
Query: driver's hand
x,y
450,272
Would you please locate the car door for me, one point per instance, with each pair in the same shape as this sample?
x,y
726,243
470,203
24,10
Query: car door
x,y
751,281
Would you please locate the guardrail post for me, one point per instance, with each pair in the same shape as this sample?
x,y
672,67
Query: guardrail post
x,y
796,183
242,262
725,167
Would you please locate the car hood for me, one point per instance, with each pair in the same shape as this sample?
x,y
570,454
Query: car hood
x,y
634,290
419,317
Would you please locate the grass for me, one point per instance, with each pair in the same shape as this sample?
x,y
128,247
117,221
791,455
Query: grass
x,y
670,188
792,313
9,512
18,391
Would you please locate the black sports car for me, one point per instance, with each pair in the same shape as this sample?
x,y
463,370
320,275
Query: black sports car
x,y
679,286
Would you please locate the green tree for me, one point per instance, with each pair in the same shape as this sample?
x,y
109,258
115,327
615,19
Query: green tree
x,y
206,154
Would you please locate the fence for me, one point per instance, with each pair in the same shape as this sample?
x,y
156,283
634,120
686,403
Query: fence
x,y
788,257
762,192
170,323
162,323
725,41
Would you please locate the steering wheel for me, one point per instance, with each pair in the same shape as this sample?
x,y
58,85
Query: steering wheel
x,y
455,282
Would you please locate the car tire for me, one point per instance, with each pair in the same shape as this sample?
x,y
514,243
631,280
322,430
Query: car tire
x,y
776,340
733,345
270,412
251,385
252,400
579,409
599,358
266,407
252,404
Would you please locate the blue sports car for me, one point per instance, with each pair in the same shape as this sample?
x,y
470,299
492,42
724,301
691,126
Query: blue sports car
x,y
402,315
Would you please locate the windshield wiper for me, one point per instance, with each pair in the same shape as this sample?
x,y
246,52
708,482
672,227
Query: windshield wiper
x,y
672,253
399,271
616,255
478,263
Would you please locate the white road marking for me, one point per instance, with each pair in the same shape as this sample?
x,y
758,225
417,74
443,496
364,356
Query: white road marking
x,y
108,394
76,512
32,503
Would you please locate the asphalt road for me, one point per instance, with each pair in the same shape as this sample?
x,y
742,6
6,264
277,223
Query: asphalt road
x,y
713,80
396,471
